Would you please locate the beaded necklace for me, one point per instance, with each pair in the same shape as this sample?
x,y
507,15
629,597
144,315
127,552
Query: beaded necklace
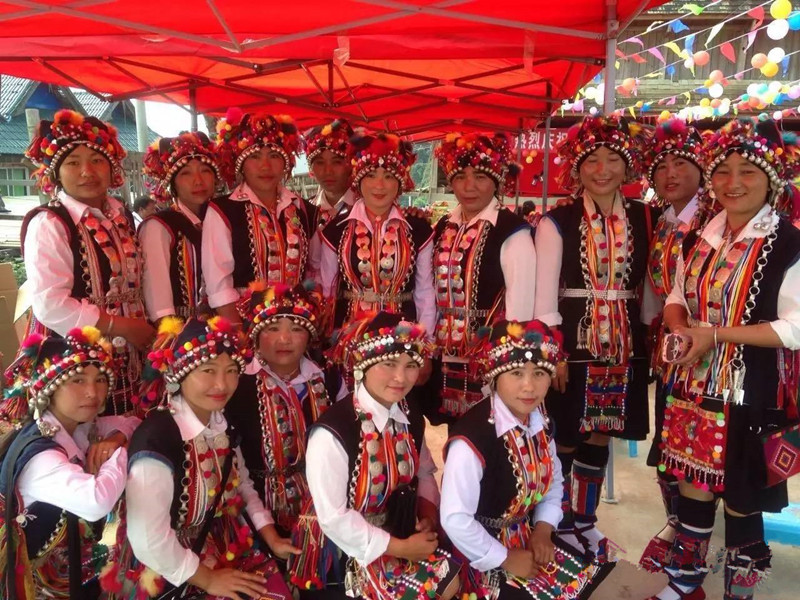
x,y
386,262
201,480
283,432
277,256
457,264
385,461
606,263
533,469
665,249
721,287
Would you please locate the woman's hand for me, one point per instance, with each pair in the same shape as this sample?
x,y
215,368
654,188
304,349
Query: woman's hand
x,y
519,562
702,342
229,583
415,548
541,545
101,451
561,377
280,546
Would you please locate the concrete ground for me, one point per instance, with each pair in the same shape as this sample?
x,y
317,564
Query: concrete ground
x,y
638,514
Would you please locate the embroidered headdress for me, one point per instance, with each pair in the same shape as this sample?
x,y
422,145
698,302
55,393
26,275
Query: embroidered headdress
x,y
509,345
383,336
673,136
166,156
613,132
44,364
55,139
761,142
182,347
240,135
263,304
492,154
334,136
369,152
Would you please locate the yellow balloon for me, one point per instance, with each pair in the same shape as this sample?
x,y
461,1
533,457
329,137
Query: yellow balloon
x,y
705,102
770,69
665,114
780,9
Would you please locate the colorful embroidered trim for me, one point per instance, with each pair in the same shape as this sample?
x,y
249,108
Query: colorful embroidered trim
x,y
606,394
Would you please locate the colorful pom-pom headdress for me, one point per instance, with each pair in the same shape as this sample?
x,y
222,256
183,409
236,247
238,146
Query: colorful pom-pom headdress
x,y
166,156
44,364
761,142
182,347
334,136
240,135
369,152
613,132
377,338
510,344
491,154
673,136
55,139
263,304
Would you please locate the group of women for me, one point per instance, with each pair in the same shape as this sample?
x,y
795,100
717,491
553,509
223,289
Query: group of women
x,y
245,382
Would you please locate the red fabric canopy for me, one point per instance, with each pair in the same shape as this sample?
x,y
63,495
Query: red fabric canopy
x,y
414,66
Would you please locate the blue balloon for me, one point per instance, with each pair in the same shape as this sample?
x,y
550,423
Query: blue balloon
x,y
794,21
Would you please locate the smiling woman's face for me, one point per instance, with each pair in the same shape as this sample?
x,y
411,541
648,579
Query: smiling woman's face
x,y
390,380
602,172
380,189
85,174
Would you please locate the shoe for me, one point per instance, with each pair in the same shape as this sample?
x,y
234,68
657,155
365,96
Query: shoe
x,y
588,539
655,554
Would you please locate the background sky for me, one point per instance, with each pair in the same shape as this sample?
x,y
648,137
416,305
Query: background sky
x,y
169,120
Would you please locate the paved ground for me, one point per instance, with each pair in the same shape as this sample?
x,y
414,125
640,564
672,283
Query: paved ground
x,y
638,514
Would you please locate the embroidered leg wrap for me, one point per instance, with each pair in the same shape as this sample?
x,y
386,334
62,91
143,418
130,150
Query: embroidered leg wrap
x,y
747,556
655,554
669,495
588,473
687,566
568,520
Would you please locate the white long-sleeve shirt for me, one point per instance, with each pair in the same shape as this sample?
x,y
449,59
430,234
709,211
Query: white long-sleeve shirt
x,y
149,497
59,479
315,245
517,259
49,265
787,326
461,482
155,240
217,246
424,298
328,475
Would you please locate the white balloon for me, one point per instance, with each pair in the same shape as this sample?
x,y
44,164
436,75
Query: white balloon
x,y
593,111
776,55
725,107
778,29
777,115
752,89
716,90
775,86
590,93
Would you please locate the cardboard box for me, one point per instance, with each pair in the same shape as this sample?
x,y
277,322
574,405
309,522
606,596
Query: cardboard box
x,y
10,333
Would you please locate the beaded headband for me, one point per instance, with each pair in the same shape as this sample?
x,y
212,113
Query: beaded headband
x,y
493,155
368,153
613,132
334,136
384,336
166,156
510,344
264,304
240,135
55,139
180,348
675,137
44,364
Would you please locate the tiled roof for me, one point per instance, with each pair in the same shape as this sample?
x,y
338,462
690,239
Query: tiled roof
x,y
93,106
11,90
14,133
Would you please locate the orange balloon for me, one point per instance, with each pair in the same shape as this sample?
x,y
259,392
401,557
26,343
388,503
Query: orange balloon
x,y
759,60
701,57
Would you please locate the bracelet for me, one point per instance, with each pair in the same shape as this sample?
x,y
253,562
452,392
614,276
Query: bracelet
x,y
110,325
715,335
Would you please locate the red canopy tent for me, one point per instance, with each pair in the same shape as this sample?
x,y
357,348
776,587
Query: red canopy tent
x,y
418,67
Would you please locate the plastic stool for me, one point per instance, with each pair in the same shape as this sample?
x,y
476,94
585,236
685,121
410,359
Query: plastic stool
x,y
783,527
